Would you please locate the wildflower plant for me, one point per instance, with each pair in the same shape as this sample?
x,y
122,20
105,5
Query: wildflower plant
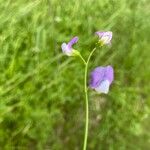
x,y
100,78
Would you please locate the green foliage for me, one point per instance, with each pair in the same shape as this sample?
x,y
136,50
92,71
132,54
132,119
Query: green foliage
x,y
41,92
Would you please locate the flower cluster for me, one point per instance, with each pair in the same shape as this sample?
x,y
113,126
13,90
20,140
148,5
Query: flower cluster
x,y
101,77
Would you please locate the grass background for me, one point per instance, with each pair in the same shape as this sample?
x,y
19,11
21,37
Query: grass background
x,y
41,91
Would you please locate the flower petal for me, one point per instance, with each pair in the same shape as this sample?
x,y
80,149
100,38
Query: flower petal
x,y
99,33
73,41
105,37
109,73
101,79
64,47
103,87
97,76
66,50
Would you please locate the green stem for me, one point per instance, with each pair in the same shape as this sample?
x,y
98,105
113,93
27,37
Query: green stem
x,y
82,59
86,100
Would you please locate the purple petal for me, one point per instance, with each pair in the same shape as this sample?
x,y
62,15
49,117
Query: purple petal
x,y
67,48
100,74
73,41
97,76
109,74
99,33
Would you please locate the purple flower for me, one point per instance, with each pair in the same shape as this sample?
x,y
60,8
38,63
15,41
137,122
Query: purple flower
x,y
67,48
105,37
101,79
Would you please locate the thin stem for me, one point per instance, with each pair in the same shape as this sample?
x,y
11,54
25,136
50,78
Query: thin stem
x,y
86,108
82,59
86,100
90,55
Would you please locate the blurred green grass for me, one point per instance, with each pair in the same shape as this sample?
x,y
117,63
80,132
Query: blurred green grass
x,y
41,91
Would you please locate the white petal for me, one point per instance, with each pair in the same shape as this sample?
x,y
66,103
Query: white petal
x,y
66,50
64,46
105,39
103,87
